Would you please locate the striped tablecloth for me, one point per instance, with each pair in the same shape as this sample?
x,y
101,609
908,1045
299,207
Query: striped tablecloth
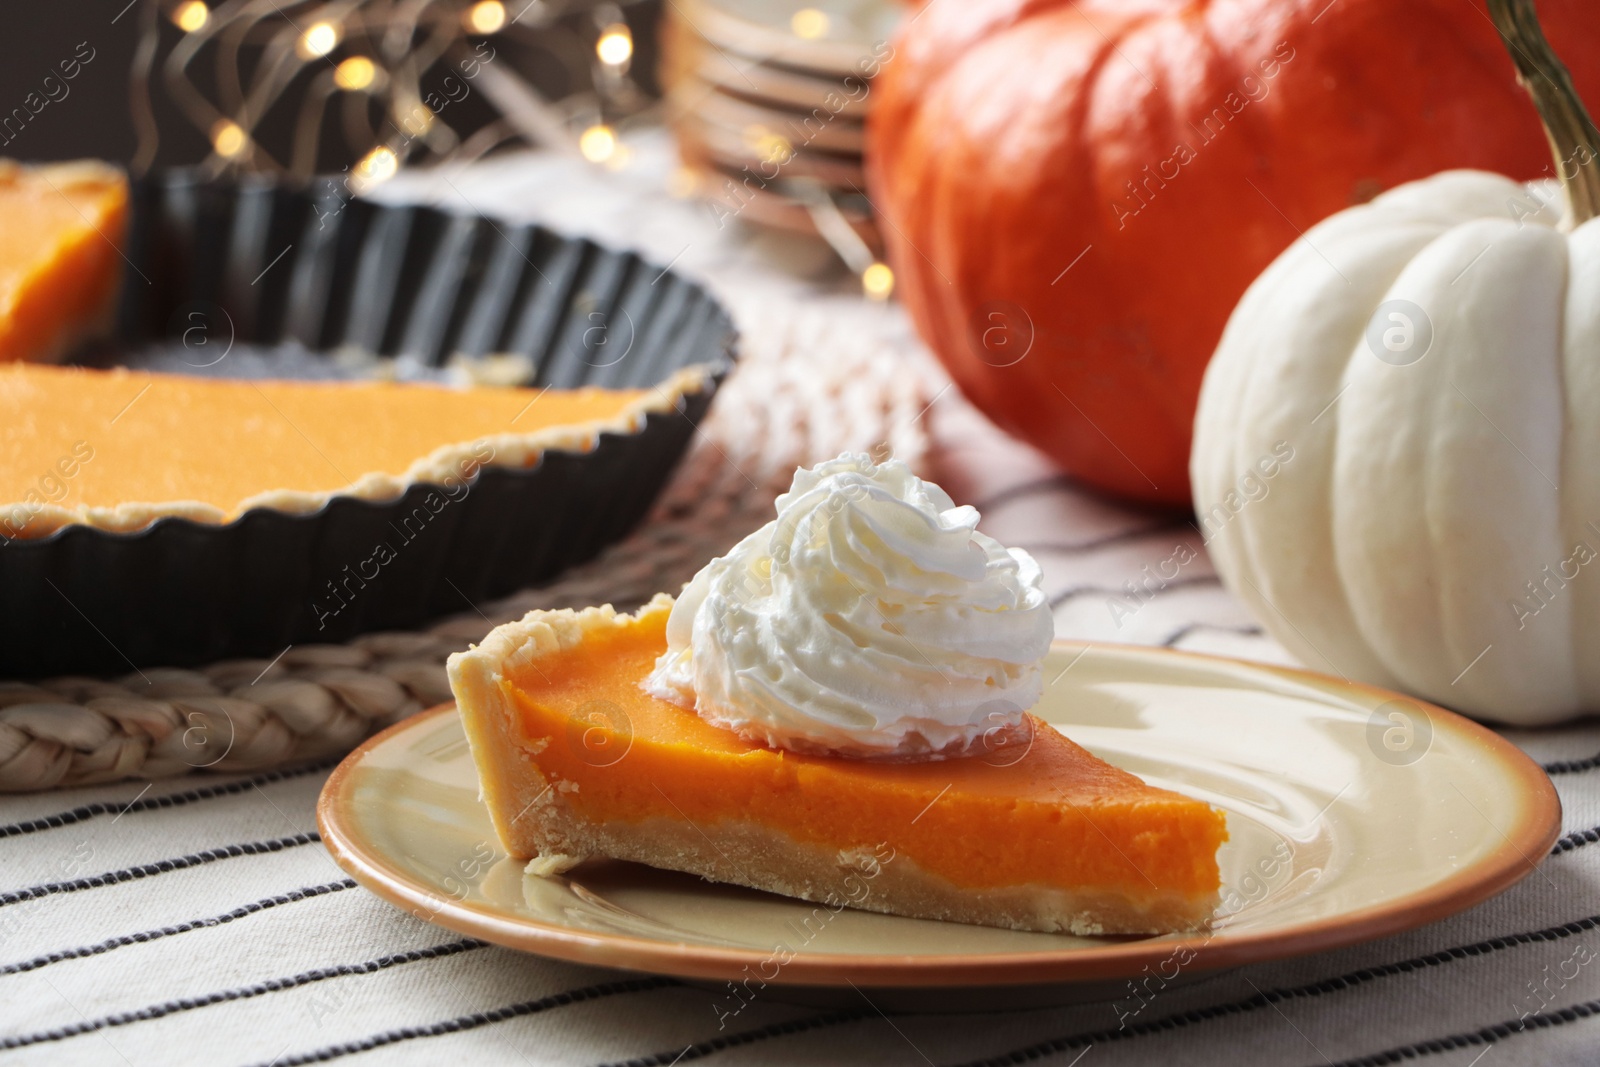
x,y
200,921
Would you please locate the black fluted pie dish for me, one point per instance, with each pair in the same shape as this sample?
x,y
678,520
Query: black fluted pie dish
x,y
228,278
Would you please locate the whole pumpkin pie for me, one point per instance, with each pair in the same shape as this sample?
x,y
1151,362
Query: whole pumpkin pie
x,y
120,449
834,711
59,259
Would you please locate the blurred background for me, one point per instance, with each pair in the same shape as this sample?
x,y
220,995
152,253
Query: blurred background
x,y
548,45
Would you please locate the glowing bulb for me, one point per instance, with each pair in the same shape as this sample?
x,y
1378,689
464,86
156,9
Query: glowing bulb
x,y
488,16
191,16
228,138
319,39
378,165
598,143
615,46
809,23
877,281
774,148
357,72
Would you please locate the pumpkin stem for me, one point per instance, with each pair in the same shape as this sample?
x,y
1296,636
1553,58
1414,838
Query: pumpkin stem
x,y
1572,133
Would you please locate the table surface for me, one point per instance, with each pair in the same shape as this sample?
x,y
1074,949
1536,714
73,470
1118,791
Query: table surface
x,y
199,920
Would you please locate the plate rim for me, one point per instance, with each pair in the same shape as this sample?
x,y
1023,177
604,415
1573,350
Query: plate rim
x,y
1508,864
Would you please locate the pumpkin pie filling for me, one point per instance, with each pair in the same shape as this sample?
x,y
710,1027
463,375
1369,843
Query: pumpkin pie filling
x,y
120,448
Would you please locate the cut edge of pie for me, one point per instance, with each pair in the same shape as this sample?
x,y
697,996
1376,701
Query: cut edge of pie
x,y
535,815
60,264
458,460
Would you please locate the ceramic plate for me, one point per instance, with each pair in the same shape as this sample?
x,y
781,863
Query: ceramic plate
x,y
1353,813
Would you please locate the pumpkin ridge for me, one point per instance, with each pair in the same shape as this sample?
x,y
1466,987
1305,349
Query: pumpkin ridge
x,y
1252,535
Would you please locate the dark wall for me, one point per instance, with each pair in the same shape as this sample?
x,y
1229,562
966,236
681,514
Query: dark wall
x,y
41,41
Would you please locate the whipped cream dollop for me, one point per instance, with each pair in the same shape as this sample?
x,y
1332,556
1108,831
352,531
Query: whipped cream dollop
x,y
869,619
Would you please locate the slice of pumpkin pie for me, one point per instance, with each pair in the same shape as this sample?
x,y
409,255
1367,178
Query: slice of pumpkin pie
x,y
842,693
60,227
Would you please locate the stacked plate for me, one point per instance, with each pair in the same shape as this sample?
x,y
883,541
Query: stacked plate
x,y
768,100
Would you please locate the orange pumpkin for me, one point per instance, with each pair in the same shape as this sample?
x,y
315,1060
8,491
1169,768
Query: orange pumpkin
x,y
1077,192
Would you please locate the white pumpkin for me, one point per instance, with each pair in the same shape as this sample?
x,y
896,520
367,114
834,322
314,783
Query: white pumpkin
x,y
1397,451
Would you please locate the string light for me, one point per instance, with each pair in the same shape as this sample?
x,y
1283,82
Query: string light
x,y
598,143
345,38
776,148
377,166
192,16
319,39
355,73
487,16
770,147
615,46
877,281
228,138
809,23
